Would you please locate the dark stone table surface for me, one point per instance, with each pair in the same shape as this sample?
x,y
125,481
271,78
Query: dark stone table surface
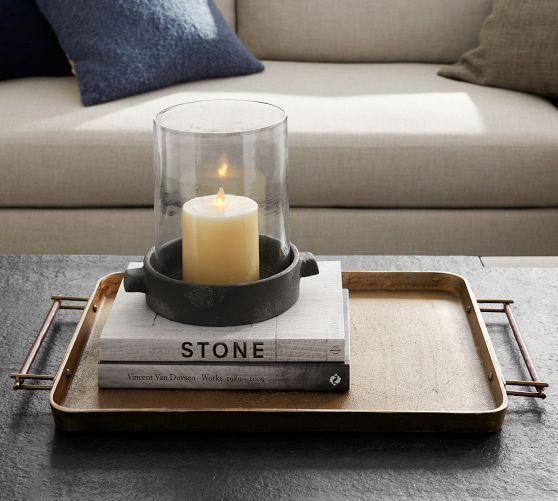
x,y
39,462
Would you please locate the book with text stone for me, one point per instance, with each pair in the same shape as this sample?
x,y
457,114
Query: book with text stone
x,y
310,331
285,376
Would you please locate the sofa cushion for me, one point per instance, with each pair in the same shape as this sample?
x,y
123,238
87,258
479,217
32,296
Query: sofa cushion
x,y
367,31
119,49
518,49
496,232
228,10
379,135
28,46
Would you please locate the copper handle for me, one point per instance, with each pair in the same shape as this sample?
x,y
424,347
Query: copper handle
x,y
23,374
535,381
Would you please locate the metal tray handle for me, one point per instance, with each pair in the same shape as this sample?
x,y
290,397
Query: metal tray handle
x,y
57,304
23,374
535,381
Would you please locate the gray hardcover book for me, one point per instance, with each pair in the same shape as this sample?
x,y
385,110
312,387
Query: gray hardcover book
x,y
311,331
301,376
285,376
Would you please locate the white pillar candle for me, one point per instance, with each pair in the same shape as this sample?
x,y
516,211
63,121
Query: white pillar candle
x,y
220,239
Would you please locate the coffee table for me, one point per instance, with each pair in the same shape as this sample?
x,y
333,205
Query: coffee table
x,y
37,461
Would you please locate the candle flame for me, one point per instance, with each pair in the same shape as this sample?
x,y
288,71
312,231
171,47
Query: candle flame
x,y
222,171
220,198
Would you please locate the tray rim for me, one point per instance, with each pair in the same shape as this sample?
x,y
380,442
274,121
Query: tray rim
x,y
498,411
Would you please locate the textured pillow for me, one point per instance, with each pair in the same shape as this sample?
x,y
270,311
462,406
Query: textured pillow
x,y
28,46
518,49
125,47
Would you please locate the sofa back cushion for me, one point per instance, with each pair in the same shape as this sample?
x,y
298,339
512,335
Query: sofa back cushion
x,y
435,31
228,10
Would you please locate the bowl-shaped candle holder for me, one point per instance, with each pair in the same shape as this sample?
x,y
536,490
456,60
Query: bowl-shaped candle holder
x,y
221,256
221,305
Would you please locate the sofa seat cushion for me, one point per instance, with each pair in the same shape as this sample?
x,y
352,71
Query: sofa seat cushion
x,y
360,135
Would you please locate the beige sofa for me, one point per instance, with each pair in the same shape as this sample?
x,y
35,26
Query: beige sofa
x,y
385,156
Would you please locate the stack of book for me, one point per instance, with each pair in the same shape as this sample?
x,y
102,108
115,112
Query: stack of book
x,y
305,348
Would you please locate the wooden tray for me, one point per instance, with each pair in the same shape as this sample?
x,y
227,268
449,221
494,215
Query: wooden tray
x,y
421,360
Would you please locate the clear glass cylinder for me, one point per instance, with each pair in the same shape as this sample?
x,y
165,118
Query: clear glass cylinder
x,y
221,189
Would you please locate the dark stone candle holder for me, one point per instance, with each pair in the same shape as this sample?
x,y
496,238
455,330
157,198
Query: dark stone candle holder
x,y
221,305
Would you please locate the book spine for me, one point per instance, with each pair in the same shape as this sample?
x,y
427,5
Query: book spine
x,y
270,376
223,350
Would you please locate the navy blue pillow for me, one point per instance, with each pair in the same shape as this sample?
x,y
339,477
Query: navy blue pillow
x,y
28,46
125,47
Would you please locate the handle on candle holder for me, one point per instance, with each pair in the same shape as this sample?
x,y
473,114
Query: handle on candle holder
x,y
134,280
308,264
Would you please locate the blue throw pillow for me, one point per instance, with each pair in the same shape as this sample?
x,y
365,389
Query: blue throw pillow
x,y
125,47
28,46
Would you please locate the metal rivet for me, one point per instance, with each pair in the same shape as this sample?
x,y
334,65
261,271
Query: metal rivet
x,y
68,373
94,308
469,308
491,376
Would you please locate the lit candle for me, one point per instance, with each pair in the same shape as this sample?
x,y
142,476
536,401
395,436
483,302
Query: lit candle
x,y
220,239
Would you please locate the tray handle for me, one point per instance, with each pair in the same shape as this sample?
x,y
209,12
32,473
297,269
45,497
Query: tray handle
x,y
23,374
535,381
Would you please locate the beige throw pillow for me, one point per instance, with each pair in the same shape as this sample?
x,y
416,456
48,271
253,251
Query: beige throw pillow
x,y
518,49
